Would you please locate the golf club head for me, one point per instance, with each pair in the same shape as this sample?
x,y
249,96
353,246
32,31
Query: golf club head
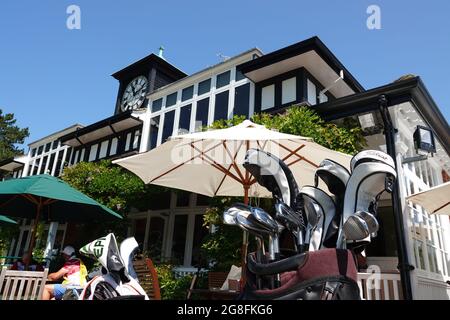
x,y
229,215
370,220
355,228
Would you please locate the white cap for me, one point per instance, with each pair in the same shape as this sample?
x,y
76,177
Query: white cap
x,y
69,250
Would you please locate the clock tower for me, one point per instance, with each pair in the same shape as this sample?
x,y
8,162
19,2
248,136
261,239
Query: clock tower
x,y
142,78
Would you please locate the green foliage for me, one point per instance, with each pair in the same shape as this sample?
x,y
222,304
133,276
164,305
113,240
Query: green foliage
x,y
171,287
108,184
7,232
10,135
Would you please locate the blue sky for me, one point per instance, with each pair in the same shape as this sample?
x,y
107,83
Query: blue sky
x,y
52,77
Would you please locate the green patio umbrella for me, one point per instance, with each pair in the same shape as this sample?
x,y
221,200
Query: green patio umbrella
x,y
4,220
49,198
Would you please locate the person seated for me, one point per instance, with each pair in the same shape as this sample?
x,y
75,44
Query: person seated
x,y
27,259
73,271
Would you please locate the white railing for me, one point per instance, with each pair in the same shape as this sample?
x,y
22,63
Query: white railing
x,y
380,286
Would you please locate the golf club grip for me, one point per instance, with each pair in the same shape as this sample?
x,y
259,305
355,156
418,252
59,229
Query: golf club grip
x,y
288,264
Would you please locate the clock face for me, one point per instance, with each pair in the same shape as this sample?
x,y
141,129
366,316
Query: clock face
x,y
134,94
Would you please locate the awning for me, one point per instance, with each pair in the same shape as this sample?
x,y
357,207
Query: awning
x,y
101,129
435,200
10,165
311,54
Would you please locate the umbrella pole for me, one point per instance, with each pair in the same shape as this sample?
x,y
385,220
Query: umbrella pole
x,y
244,242
33,233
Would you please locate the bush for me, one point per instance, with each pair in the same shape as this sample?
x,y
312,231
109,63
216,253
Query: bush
x,y
172,288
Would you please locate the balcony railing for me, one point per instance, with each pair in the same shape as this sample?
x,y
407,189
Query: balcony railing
x,y
380,286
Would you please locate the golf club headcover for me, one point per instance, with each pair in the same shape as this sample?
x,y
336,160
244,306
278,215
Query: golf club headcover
x,y
327,274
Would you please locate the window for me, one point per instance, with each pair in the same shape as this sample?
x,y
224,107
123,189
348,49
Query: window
x,y
33,152
154,128
40,149
155,238
242,100
223,79
323,98
203,200
48,146
103,149
83,151
204,87
200,232
288,90
51,162
127,142
171,99
44,163
75,158
93,152
168,125
187,93
239,75
55,144
201,118
137,134
221,107
185,119
268,97
312,95
179,238
183,198
113,150
59,162
157,105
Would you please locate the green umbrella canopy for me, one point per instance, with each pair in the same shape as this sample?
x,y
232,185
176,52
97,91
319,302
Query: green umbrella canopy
x,y
57,201
5,220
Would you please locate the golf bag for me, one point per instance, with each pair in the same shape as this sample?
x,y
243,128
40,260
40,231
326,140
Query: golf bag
x,y
118,279
325,226
327,274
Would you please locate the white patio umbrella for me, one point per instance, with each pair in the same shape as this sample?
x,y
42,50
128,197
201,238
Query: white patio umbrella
x,y
435,200
210,162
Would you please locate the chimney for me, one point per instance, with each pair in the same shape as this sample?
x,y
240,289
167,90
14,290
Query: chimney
x,y
161,50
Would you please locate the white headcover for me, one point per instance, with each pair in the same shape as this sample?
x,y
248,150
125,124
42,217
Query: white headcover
x,y
127,248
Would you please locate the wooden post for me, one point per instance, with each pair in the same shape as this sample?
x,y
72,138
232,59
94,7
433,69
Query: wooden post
x,y
244,242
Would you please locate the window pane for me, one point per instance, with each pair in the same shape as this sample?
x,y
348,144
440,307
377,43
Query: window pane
x,y
242,100
154,128
199,233
33,152
201,118
187,93
60,161
93,152
168,125
44,163
203,200
185,119
51,162
128,141
113,149
268,97
179,239
204,86
40,149
183,198
221,107
48,146
157,105
239,75
139,231
288,90
155,238
55,144
137,134
103,149
171,99
83,151
223,79
312,95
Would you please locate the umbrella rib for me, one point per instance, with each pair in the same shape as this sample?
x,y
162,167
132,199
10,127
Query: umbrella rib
x,y
221,182
233,159
181,164
293,152
9,200
301,157
441,207
216,165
